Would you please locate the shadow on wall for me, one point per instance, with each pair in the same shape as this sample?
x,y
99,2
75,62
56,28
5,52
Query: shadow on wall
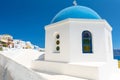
x,y
41,57
10,70
5,74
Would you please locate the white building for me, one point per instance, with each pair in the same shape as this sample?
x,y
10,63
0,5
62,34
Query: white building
x,y
78,43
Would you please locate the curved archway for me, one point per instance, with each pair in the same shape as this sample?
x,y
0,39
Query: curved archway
x,y
86,42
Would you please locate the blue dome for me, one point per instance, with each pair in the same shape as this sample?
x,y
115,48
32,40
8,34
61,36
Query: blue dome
x,y
80,12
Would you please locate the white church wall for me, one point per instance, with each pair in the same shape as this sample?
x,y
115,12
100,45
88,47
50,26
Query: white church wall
x,y
80,71
70,31
109,49
88,70
63,31
97,28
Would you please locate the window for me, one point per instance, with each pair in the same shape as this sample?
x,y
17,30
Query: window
x,y
86,42
57,36
57,43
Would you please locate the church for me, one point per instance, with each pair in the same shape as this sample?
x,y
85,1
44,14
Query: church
x,y
78,43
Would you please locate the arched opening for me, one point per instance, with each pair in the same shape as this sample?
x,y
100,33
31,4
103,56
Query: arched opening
x,y
86,42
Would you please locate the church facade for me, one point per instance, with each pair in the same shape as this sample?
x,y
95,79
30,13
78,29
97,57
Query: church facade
x,y
78,43
79,40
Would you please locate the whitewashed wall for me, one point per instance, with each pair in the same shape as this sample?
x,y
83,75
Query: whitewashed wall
x,y
70,31
12,70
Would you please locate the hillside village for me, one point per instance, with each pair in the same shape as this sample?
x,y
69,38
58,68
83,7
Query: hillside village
x,y
8,42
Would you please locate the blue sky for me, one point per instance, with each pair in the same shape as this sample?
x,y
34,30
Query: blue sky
x,y
25,19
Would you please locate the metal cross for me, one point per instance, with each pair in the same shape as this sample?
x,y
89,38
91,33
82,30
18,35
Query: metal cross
x,y
75,3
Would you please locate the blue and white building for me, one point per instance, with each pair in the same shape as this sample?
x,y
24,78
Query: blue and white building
x,y
78,43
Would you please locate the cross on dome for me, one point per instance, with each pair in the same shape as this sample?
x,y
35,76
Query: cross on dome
x,y
75,3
